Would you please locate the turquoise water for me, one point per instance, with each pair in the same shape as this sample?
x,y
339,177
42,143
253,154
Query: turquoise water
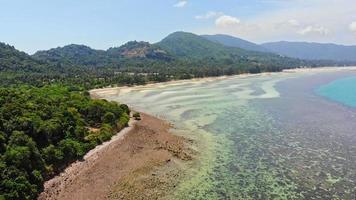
x,y
259,137
341,90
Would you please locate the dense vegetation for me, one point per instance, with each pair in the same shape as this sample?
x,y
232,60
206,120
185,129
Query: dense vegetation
x,y
15,61
178,56
44,129
72,55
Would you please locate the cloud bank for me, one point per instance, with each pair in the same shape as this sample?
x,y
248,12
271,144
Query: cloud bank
x,y
295,20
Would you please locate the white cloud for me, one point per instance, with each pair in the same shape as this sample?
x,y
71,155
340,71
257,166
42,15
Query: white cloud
x,y
353,26
209,15
293,22
280,24
314,29
180,4
226,20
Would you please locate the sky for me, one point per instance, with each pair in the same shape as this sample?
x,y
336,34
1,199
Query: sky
x,y
32,25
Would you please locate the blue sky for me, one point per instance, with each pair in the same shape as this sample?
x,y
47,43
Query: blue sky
x,y
43,24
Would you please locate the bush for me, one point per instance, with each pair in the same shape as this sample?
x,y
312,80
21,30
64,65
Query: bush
x,y
109,118
105,133
123,121
137,116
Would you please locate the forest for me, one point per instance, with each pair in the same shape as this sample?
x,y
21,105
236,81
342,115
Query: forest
x,y
44,129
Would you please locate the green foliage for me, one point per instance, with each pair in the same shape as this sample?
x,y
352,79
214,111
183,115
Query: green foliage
x,y
123,121
109,118
134,49
72,149
53,155
137,116
105,132
71,55
42,130
2,142
14,60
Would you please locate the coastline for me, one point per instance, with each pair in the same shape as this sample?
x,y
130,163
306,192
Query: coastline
x,y
110,91
162,165
205,153
58,183
143,161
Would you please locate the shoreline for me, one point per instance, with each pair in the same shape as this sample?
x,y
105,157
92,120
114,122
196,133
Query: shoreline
x,y
110,91
142,161
160,175
188,103
59,182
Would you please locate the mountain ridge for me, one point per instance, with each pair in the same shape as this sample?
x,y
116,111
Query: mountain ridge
x,y
12,59
183,44
313,50
300,50
191,46
232,41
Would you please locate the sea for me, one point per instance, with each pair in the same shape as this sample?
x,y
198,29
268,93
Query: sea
x,y
267,136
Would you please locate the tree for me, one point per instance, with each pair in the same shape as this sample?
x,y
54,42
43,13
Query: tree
x,y
109,118
2,142
71,149
53,155
123,121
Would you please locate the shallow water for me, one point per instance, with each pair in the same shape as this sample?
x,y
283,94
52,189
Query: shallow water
x,y
341,90
260,137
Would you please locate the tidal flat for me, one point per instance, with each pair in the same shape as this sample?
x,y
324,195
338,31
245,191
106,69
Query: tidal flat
x,y
268,136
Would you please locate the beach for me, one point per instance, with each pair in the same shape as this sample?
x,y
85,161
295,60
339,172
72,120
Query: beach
x,y
142,162
112,91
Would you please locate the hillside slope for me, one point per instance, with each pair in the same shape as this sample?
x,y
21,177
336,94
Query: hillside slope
x,y
12,59
231,41
189,45
313,51
72,54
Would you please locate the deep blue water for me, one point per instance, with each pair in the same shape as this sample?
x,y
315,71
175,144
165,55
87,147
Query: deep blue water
x,y
341,90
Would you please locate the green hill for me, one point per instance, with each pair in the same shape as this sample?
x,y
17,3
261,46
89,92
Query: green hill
x,y
231,41
72,55
81,55
188,45
134,49
12,59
